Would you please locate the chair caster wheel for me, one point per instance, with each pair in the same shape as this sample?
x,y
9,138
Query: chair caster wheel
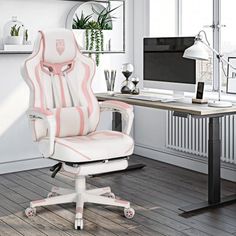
x,y
110,195
129,213
79,224
52,194
30,212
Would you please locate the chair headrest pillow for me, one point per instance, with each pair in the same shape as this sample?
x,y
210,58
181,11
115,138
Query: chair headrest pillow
x,y
59,46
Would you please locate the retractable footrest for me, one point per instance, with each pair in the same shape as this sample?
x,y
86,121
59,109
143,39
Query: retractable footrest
x,y
97,167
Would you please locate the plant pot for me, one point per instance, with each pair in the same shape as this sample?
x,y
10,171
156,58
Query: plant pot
x,y
14,40
80,37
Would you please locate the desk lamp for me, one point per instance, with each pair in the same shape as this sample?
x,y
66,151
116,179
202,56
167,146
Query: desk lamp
x,y
199,51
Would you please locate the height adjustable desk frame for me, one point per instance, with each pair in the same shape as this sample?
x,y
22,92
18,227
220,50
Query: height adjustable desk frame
x,y
214,144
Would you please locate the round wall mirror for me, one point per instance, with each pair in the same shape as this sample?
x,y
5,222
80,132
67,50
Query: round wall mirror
x,y
98,26
83,13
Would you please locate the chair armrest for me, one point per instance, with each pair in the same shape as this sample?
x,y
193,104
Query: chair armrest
x,y
124,109
38,113
50,122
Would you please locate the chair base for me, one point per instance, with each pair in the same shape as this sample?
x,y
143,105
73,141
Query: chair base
x,y
80,196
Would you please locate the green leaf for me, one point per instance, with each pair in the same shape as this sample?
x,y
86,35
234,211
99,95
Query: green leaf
x,y
105,17
81,22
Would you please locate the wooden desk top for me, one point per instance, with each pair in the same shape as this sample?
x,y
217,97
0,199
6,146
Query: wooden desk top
x,y
183,107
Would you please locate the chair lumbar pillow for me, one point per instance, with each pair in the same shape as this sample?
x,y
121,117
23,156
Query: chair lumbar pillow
x,y
77,117
64,114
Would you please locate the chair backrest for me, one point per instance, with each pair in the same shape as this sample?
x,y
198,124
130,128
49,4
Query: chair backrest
x,y
59,78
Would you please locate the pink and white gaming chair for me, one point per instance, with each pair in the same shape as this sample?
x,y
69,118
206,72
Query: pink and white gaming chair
x,y
64,114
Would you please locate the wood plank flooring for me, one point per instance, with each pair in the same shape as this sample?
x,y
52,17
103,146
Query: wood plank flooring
x,y
155,192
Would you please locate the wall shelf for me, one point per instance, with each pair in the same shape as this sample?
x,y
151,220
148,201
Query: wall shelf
x,y
83,51
101,52
117,44
15,52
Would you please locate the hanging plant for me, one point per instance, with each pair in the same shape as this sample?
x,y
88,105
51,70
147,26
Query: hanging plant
x,y
94,40
94,37
102,39
87,39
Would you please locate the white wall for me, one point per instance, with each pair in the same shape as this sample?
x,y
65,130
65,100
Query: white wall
x,y
15,137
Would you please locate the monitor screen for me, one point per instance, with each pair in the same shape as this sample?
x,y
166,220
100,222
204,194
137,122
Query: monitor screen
x,y
164,62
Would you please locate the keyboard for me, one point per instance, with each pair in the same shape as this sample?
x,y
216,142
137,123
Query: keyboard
x,y
146,98
164,99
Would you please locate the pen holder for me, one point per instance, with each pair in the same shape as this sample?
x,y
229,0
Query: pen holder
x,y
110,77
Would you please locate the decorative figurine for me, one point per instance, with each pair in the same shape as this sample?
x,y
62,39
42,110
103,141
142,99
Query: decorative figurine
x,y
127,86
135,81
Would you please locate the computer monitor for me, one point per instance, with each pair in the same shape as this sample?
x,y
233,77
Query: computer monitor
x,y
165,67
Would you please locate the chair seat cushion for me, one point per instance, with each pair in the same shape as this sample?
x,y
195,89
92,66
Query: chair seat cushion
x,y
99,145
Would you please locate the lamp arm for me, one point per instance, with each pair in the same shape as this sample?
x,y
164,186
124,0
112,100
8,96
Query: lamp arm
x,y
221,57
227,62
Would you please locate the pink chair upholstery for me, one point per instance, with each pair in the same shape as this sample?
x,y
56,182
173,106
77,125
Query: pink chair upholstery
x,y
64,115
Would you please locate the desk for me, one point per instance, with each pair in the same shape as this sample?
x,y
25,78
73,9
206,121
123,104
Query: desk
x,y
214,143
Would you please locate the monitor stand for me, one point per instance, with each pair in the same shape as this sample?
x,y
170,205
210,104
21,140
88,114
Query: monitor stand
x,y
174,93
178,94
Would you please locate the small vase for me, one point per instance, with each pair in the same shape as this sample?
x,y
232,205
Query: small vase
x,y
14,40
80,37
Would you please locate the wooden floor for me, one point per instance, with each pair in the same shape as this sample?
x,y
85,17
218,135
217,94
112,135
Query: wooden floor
x,y
155,192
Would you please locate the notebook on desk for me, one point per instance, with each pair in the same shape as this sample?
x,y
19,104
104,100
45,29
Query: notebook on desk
x,y
145,98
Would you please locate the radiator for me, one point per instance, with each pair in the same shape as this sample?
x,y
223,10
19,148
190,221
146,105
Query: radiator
x,y
190,135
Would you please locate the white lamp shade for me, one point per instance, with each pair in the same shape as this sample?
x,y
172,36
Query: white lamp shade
x,y
198,51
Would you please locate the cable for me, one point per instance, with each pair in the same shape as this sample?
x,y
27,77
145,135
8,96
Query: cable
x,y
222,66
225,74
204,32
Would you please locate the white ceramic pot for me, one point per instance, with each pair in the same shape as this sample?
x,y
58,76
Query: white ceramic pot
x,y
80,37
14,40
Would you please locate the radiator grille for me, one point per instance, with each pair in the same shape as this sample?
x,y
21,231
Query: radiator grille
x,y
190,135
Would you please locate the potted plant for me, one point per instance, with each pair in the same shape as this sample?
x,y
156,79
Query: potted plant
x,y
104,23
90,30
94,39
15,37
79,26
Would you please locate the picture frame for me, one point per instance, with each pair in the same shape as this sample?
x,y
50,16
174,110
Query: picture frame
x,y
231,80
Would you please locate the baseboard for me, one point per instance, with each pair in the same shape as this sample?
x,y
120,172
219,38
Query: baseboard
x,y
27,164
191,162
